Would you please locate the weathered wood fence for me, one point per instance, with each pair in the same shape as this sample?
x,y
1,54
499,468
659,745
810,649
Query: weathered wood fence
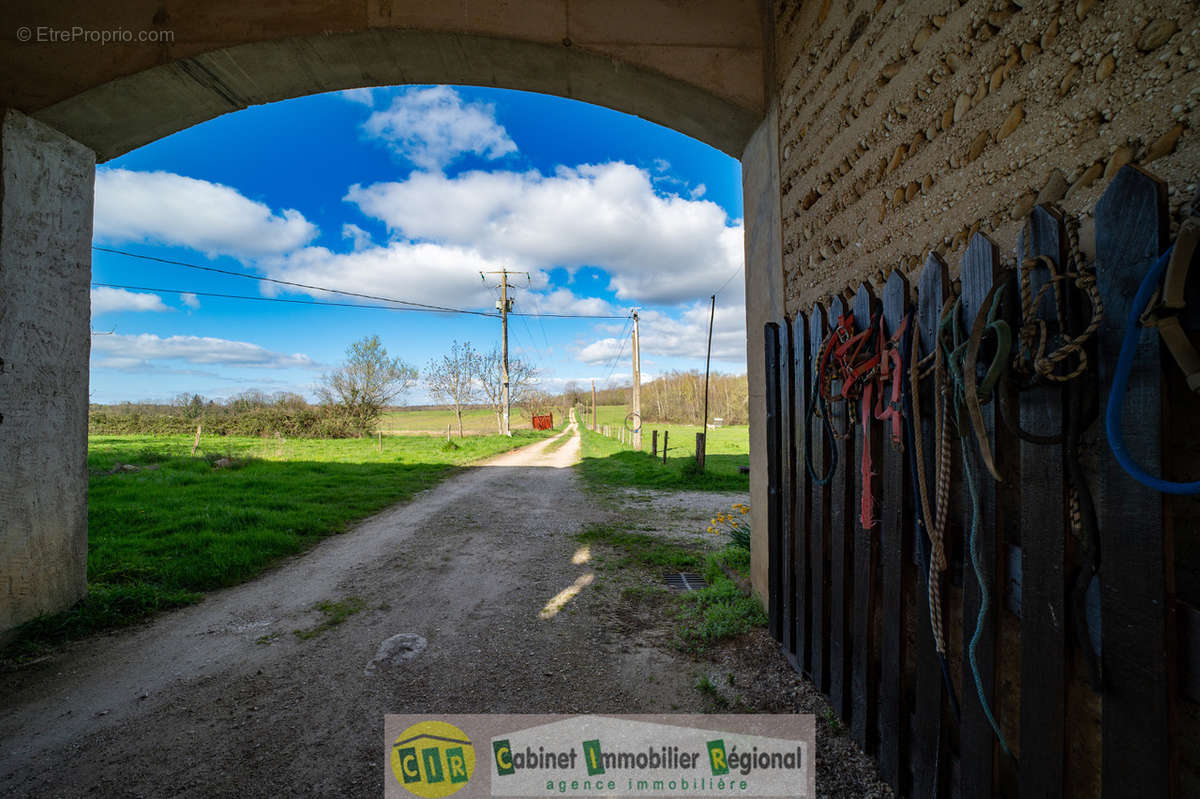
x,y
1086,657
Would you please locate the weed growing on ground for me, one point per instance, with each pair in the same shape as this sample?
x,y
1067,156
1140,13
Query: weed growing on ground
x,y
335,613
719,611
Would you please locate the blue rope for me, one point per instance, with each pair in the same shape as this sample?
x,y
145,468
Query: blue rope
x,y
1120,384
954,350
985,598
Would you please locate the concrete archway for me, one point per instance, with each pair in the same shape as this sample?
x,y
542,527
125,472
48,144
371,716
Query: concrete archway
x,y
697,67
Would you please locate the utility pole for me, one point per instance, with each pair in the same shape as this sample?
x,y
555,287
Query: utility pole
x,y
504,305
593,406
637,386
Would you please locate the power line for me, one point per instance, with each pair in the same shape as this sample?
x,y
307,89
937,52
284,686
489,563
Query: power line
x,y
292,301
278,281
569,315
232,273
620,350
729,279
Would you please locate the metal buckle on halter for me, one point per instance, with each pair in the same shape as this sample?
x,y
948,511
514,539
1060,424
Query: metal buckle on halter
x,y
842,334
1164,308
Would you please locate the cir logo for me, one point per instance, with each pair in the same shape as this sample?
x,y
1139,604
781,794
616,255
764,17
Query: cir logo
x,y
433,759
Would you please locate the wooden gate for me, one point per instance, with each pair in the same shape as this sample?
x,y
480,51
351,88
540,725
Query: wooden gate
x,y
1070,665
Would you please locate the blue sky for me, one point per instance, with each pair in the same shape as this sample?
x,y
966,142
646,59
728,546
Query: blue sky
x,y
409,193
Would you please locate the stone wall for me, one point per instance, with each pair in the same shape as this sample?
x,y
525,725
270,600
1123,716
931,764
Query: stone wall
x,y
907,126
45,269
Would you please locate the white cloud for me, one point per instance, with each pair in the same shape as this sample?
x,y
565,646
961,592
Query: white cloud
x,y
421,272
364,96
656,249
139,351
684,337
698,192
431,127
564,301
190,300
108,300
165,208
360,237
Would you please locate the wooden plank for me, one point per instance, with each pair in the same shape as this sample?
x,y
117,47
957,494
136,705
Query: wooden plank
x,y
801,518
841,557
819,510
1136,567
928,760
787,500
977,741
1189,651
1043,542
894,563
864,680
774,489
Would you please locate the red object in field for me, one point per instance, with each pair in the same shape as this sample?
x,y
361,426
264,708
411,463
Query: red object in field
x,y
543,422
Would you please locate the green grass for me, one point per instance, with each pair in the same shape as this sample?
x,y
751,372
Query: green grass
x,y
476,421
719,610
643,551
606,462
160,537
702,618
557,444
335,613
730,440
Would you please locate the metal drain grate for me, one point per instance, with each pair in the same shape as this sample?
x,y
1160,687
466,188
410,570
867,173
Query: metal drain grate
x,y
684,581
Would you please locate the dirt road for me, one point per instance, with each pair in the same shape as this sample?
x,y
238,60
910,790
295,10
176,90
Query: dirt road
x,y
225,699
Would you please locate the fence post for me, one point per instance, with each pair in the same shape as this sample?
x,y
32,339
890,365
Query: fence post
x,y
654,443
196,441
1043,539
864,664
929,766
977,741
700,450
816,444
800,652
895,559
841,555
774,480
666,434
1137,630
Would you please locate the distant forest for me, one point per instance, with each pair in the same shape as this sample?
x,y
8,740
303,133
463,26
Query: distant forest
x,y
676,397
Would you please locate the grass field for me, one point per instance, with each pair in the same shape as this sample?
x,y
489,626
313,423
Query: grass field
x,y
606,461
160,536
476,421
731,440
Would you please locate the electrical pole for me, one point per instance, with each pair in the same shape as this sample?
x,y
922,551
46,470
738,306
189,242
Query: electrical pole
x,y
637,386
504,305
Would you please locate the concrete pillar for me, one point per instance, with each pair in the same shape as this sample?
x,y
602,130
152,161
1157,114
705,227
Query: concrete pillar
x,y
764,303
46,191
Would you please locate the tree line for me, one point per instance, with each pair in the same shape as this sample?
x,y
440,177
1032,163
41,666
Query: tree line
x,y
352,397
675,398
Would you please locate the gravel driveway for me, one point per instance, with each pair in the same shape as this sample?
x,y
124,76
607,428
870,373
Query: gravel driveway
x,y
451,591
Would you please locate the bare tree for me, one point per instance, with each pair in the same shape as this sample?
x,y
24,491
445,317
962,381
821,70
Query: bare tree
x,y
521,376
366,382
452,378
